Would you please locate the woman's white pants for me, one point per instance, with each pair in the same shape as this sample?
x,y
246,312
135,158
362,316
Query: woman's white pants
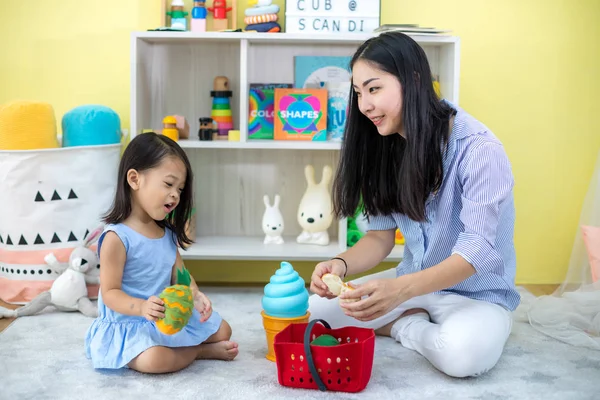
x,y
461,337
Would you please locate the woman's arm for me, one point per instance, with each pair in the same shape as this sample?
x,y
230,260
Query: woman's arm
x,y
369,251
449,272
113,256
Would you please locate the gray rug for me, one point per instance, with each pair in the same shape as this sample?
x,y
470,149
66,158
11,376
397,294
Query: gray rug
x,y
42,357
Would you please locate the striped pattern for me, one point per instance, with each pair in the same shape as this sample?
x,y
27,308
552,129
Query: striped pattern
x,y
472,215
260,19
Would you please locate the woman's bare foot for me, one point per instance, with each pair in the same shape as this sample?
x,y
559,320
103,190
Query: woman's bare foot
x,y
386,330
223,350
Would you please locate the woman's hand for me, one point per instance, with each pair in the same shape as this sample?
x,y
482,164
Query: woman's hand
x,y
153,309
317,286
383,295
203,305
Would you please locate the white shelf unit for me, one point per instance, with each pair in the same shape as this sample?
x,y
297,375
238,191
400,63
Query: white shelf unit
x,y
173,72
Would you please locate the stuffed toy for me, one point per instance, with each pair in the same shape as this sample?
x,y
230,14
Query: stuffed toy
x,y
179,304
69,290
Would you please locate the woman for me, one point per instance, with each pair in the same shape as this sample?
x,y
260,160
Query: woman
x,y
424,166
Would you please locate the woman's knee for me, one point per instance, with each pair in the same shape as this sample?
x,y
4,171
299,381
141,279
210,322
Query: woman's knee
x,y
468,353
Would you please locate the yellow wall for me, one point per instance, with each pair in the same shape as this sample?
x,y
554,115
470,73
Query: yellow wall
x,y
529,70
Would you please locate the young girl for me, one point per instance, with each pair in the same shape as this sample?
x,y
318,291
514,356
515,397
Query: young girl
x,y
427,167
139,257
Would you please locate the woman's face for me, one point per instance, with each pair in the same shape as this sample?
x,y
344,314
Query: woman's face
x,y
379,97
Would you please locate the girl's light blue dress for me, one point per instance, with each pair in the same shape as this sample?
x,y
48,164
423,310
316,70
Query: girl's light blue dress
x,y
114,339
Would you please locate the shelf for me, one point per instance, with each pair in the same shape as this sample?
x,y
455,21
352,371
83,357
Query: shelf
x,y
260,144
252,37
252,248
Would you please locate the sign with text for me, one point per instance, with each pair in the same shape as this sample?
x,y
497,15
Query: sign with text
x,y
332,16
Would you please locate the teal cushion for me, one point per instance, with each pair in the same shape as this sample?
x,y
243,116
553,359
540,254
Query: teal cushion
x,y
91,125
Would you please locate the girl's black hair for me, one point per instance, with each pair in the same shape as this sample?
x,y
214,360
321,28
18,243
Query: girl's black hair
x,y
391,174
144,152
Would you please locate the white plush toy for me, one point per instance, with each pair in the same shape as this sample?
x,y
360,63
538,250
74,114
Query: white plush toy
x,y
272,222
315,212
69,290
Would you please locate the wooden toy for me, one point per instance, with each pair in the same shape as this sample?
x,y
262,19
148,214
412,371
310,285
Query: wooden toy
x,y
182,126
177,15
221,108
170,127
219,10
261,16
198,20
207,128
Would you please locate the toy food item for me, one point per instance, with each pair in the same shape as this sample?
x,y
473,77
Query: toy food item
x,y
179,304
285,296
336,285
325,340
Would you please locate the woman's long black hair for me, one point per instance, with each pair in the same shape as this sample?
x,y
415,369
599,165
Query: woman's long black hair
x,y
144,152
391,174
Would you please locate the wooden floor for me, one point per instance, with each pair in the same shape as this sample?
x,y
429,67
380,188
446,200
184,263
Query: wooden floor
x,y
537,290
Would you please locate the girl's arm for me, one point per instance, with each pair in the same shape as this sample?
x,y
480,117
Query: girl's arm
x,y
113,256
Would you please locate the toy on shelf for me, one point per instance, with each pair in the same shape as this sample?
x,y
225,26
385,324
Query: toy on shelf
x,y
179,304
315,212
219,10
261,16
183,128
69,290
285,302
357,226
233,135
170,127
198,18
207,129
221,108
178,21
399,238
272,221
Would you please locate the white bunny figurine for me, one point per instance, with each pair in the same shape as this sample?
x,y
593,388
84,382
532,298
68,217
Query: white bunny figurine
x,y
272,222
69,290
315,212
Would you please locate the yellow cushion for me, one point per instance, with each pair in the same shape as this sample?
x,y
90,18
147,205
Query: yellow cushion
x,y
27,125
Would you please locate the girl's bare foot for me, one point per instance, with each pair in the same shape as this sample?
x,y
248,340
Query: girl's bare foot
x,y
387,329
223,350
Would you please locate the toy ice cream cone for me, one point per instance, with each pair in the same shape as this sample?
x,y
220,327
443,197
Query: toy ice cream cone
x,y
285,302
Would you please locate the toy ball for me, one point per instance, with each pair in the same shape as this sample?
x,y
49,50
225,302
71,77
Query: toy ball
x,y
325,340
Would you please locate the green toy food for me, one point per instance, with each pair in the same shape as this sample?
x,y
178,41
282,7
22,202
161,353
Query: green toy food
x,y
179,304
325,340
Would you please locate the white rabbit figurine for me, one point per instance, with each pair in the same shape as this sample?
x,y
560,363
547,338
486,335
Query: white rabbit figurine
x,y
272,222
315,212
68,291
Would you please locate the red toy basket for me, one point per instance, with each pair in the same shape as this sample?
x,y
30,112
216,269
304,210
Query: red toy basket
x,y
342,368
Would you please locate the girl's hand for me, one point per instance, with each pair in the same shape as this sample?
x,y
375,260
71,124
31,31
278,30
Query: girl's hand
x,y
203,305
383,295
153,309
319,287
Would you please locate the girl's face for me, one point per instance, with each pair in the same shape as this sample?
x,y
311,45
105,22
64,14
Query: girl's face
x,y
157,191
379,97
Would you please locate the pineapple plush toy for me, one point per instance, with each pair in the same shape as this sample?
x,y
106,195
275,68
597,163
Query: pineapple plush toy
x,y
179,304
